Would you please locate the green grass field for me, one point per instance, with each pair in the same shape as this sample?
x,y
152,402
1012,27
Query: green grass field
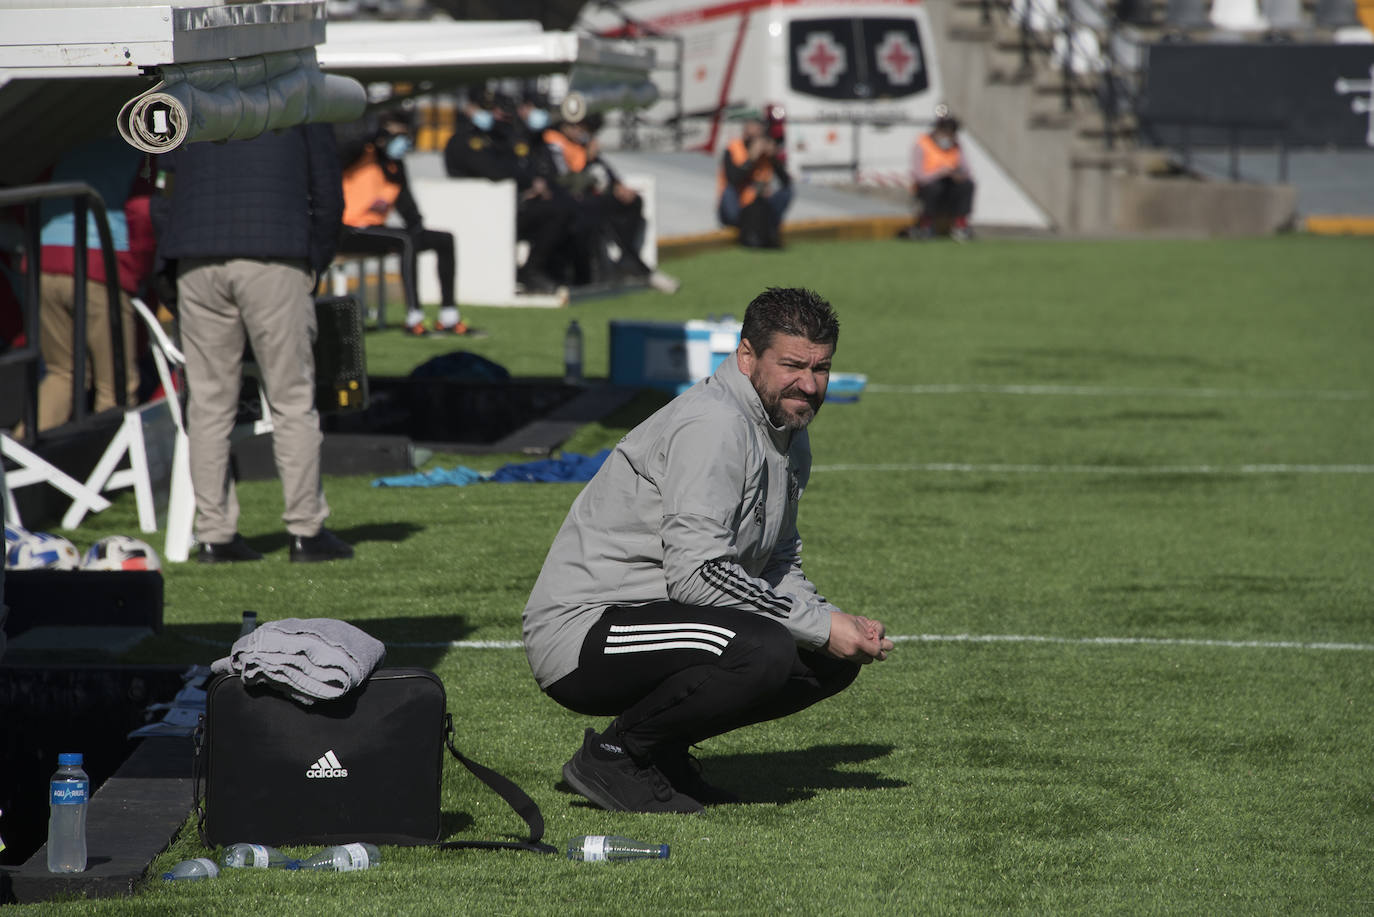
x,y
1113,498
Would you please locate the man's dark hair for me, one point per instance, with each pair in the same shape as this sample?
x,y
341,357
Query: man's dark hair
x,y
789,310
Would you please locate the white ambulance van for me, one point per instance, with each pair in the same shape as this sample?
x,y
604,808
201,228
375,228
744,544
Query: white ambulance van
x,y
856,81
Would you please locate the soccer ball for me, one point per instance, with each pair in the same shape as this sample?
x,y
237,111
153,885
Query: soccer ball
x,y
13,535
42,551
120,552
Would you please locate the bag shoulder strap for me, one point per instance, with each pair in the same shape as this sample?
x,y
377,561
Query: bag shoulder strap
x,y
198,780
504,787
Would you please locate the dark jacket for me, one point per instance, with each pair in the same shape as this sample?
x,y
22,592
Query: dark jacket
x,y
473,153
275,196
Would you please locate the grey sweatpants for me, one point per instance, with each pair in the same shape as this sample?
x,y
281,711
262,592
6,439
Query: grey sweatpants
x,y
272,304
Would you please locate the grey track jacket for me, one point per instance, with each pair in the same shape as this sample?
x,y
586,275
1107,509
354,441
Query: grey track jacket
x,y
698,504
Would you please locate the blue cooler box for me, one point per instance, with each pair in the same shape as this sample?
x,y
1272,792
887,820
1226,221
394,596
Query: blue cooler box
x,y
671,356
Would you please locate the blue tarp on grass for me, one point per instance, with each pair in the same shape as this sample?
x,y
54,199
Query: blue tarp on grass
x,y
570,466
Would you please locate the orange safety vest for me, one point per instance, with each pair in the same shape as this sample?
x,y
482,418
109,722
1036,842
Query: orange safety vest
x,y
933,159
762,173
365,185
574,154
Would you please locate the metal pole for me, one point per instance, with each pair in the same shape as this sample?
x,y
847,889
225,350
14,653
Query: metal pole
x,y
679,129
113,297
854,150
1025,41
1109,99
381,292
33,249
1066,65
79,309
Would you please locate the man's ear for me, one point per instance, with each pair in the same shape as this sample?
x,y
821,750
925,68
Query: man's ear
x,y
746,357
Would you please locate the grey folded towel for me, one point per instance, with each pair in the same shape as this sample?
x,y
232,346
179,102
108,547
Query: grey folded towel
x,y
309,659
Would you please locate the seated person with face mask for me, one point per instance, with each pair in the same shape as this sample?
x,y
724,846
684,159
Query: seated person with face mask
x,y
375,184
495,139
942,182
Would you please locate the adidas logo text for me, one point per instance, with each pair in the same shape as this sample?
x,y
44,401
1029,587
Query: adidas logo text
x,y
327,766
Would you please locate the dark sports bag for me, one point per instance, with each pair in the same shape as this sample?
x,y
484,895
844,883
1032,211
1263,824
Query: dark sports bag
x,y
365,767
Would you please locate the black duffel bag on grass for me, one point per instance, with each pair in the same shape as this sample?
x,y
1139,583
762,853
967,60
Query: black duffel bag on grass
x,y
365,767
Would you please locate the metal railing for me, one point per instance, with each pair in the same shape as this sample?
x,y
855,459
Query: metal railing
x,y
1110,89
25,359
1194,132
632,120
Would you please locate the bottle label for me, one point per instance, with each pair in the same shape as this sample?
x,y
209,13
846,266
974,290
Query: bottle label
x,y
357,858
70,792
594,848
260,858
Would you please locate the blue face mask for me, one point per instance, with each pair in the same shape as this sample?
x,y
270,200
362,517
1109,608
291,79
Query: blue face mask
x,y
482,119
537,119
397,146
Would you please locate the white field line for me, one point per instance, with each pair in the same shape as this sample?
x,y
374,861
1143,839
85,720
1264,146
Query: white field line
x,y
991,638
1131,641
962,467
1099,391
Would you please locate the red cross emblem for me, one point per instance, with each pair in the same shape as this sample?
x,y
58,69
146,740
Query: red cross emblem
x,y
821,59
898,58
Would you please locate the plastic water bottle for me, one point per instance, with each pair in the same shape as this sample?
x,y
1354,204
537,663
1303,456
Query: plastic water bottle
x,y
199,868
344,858
572,354
597,848
69,793
256,856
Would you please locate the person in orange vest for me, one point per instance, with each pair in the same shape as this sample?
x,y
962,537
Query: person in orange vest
x,y
375,184
941,180
608,209
752,169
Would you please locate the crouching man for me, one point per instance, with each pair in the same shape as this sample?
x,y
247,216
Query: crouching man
x,y
673,597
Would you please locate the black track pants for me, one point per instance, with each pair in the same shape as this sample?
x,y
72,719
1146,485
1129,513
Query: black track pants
x,y
392,240
673,675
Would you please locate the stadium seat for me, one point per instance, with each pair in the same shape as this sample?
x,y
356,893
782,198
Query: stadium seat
x,y
1128,50
1135,12
1092,14
1336,14
1283,15
1187,14
1238,16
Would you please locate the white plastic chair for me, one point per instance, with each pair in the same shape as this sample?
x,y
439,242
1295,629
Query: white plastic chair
x,y
1040,15
1238,16
1090,13
129,443
1087,52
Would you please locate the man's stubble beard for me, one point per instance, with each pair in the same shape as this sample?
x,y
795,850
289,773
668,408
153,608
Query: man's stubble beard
x,y
772,406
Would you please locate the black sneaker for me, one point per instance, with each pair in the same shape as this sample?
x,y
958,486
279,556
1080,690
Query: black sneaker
x,y
621,785
683,771
324,545
235,550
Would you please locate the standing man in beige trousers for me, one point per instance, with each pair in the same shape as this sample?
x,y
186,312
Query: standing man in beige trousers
x,y
250,225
